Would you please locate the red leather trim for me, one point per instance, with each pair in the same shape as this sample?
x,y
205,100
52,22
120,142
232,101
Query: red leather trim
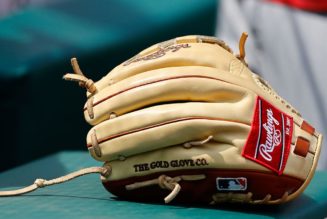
x,y
153,82
101,140
201,191
307,127
301,147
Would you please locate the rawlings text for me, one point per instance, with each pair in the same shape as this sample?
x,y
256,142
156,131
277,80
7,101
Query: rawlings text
x,y
270,138
273,136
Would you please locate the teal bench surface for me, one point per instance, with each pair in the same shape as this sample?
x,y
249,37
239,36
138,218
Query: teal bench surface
x,y
85,197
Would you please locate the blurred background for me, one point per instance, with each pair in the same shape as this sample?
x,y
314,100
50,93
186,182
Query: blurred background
x,y
41,114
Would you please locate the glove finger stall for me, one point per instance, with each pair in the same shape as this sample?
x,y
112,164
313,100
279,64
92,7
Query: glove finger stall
x,y
161,126
161,86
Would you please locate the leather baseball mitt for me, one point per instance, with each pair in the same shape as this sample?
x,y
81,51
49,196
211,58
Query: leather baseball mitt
x,y
187,120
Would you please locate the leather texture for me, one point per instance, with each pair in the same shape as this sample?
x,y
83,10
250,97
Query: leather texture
x,y
179,93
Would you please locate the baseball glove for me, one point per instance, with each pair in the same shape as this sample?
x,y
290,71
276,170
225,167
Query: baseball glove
x,y
187,120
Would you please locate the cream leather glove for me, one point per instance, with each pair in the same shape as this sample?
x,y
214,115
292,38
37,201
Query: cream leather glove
x,y
189,116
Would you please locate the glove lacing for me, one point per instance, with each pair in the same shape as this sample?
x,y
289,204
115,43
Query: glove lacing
x,y
79,77
241,55
83,81
166,182
40,183
246,198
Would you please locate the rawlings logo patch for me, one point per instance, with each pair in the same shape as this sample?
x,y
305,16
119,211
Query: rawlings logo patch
x,y
270,138
231,184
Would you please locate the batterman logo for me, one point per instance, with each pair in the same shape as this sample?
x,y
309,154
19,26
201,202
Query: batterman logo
x,y
231,184
270,137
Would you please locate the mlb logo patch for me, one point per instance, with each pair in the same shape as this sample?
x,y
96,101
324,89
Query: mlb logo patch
x,y
231,184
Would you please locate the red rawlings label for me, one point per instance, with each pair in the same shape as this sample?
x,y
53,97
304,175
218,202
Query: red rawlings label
x,y
270,138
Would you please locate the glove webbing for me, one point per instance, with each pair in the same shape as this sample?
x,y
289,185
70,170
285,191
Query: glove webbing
x,y
40,183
